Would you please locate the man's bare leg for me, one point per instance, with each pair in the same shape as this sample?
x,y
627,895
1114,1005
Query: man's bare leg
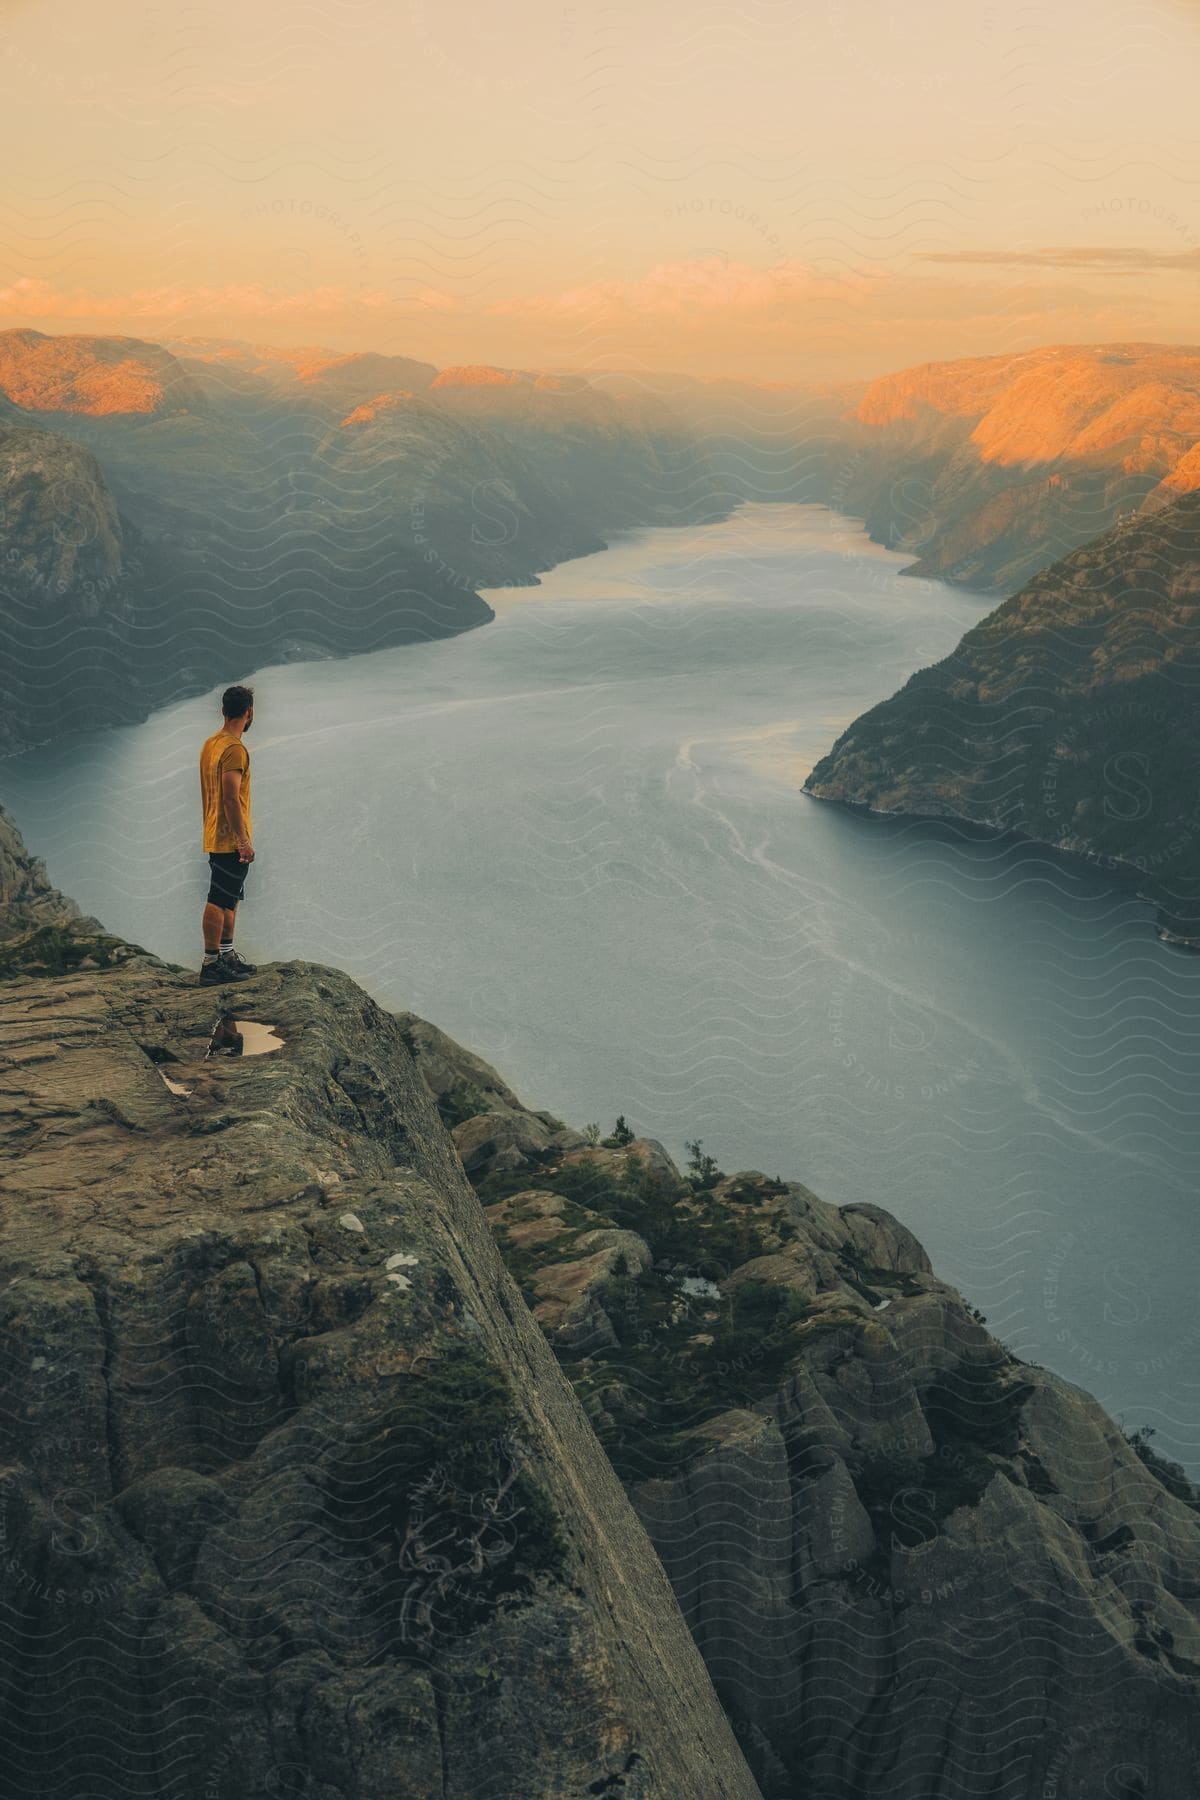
x,y
221,962
230,958
214,922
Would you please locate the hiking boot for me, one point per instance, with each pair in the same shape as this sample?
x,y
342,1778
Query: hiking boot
x,y
213,973
232,960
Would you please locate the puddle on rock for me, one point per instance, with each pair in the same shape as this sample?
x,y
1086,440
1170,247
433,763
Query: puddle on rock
x,y
257,1039
243,1037
697,1286
159,1054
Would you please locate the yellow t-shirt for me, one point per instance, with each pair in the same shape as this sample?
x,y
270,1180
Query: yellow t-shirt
x,y
223,750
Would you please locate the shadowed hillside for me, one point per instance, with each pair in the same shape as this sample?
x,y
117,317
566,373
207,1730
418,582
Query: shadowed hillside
x,y
1069,715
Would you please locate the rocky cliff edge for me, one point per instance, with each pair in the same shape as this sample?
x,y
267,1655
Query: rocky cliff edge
x,y
346,1401
294,1496
916,1565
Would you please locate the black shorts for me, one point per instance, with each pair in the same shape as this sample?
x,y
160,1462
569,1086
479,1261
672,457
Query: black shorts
x,y
228,877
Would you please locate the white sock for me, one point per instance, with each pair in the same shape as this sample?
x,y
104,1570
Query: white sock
x,y
210,956
226,946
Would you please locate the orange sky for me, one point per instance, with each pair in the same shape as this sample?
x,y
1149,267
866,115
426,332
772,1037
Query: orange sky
x,y
780,191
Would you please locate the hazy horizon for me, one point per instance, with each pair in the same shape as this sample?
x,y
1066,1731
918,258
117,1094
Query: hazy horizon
x,y
769,197
285,347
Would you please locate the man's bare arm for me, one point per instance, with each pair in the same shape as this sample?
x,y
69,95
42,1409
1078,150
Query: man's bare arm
x,y
231,793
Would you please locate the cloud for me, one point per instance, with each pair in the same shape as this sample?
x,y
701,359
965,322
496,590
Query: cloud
x,y
34,299
705,312
712,299
701,285
1107,258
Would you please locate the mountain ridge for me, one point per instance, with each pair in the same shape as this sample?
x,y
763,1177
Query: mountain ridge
x,y
903,1551
990,468
275,1374
1067,715
242,507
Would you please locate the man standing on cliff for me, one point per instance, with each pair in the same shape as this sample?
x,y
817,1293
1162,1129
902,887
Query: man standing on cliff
x,y
225,796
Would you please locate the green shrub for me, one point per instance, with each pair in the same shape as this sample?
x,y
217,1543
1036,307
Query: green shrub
x,y
752,1341
56,950
434,1489
973,1412
866,1279
908,1497
658,1385
750,1193
465,1100
651,1389
704,1172
1171,1474
975,1403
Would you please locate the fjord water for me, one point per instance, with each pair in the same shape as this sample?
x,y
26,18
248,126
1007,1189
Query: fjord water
x,y
574,839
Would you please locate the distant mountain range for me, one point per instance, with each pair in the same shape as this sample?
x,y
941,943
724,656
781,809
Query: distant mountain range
x,y
171,511
990,468
172,514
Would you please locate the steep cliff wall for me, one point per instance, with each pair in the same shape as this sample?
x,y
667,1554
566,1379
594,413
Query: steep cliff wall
x,y
915,1565
322,1467
294,1497
27,899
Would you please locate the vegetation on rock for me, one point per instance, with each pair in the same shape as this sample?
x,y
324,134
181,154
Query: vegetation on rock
x,y
1068,716
433,1484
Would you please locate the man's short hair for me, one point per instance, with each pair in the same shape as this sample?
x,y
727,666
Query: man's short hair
x,y
236,701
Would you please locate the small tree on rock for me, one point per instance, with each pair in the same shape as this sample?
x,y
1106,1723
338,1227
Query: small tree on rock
x,y
704,1172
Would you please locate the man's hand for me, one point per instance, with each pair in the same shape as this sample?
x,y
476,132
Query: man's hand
x,y
245,850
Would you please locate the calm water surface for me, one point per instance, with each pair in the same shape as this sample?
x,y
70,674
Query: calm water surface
x,y
574,839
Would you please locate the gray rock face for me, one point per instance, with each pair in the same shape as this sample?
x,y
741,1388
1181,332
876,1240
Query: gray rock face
x,y
915,1566
567,1292
293,1495
880,1645
66,584
498,1140
464,492
446,1065
104,615
26,895
58,521
658,1165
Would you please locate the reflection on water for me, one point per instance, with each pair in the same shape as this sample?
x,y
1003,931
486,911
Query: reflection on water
x,y
243,1037
257,1039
